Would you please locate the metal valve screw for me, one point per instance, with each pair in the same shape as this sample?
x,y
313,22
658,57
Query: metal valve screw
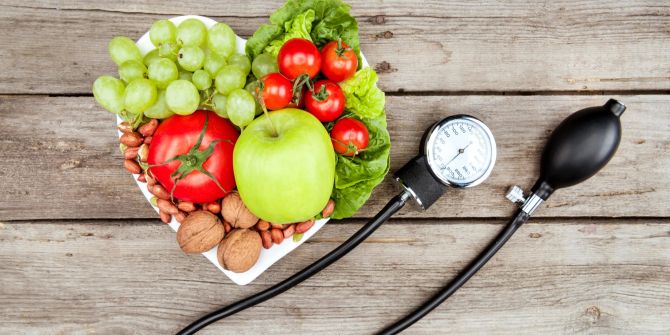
x,y
515,195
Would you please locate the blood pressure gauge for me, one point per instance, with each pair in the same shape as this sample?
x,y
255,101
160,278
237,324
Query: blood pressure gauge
x,y
458,151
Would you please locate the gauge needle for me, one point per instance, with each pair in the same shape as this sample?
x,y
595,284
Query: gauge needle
x,y
460,151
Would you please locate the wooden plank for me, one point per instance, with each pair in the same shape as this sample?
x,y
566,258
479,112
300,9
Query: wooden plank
x,y
592,277
60,158
54,47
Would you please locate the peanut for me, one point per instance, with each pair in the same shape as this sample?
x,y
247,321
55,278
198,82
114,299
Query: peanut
x,y
304,226
167,207
131,139
159,191
227,227
132,166
186,206
262,225
214,207
277,236
165,217
181,216
148,128
148,139
130,153
329,209
266,238
141,178
288,232
150,178
125,127
143,152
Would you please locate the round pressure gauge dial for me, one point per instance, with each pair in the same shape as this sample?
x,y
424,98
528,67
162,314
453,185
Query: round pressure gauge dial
x,y
460,151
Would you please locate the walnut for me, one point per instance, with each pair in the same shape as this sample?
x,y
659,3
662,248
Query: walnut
x,y
235,212
240,250
200,231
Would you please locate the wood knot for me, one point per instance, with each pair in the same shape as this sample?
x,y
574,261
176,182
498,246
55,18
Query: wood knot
x,y
534,235
71,164
593,312
378,19
384,67
387,34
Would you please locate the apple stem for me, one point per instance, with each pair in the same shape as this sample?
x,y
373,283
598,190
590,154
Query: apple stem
x,y
259,97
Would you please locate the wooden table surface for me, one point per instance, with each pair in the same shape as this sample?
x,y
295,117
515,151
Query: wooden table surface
x,y
81,252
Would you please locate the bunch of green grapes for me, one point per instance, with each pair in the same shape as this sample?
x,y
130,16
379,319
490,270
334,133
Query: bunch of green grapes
x,y
190,68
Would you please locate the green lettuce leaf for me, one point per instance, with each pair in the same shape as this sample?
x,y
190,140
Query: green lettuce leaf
x,y
299,27
363,96
331,21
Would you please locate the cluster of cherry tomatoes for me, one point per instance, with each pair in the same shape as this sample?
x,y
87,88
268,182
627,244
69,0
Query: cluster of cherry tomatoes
x,y
300,62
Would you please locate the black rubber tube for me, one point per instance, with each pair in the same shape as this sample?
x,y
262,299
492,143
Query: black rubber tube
x,y
472,268
393,206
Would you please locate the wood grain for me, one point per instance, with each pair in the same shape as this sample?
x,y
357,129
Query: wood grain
x,y
60,46
61,158
591,277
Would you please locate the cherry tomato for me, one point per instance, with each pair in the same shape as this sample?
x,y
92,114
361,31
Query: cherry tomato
x,y
339,61
349,136
299,56
277,91
326,102
176,136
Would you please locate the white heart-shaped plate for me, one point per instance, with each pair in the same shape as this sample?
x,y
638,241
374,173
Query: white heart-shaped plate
x,y
268,256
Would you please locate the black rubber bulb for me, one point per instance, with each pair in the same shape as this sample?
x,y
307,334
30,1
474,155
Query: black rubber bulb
x,y
579,147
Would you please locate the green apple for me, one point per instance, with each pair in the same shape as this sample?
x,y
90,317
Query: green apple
x,y
284,169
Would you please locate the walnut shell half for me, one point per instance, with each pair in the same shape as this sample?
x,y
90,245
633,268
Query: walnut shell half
x,y
235,212
200,231
240,250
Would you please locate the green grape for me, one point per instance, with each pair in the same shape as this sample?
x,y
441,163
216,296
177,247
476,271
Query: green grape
x,y
108,92
251,88
241,61
123,49
162,31
221,39
264,64
159,110
230,77
151,56
191,58
163,72
185,75
191,32
214,63
131,70
169,51
219,105
240,107
140,95
202,80
182,97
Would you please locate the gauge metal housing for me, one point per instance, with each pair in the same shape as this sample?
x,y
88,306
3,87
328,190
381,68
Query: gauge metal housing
x,y
429,146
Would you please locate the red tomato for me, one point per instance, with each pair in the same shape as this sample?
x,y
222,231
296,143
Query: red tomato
x,y
176,136
277,91
299,56
349,136
339,61
326,102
